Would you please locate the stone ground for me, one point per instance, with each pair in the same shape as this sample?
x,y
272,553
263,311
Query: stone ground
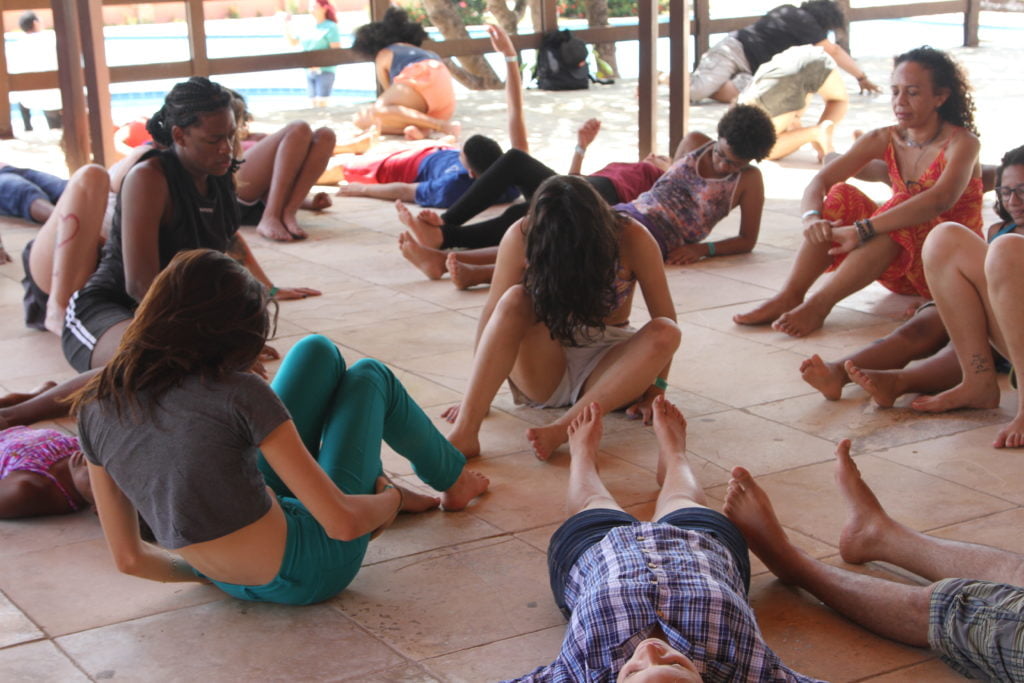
x,y
464,597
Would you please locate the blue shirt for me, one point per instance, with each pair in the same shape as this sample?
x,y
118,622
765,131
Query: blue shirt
x,y
442,179
649,574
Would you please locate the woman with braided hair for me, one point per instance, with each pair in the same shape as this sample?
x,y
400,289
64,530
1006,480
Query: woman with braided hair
x,y
175,198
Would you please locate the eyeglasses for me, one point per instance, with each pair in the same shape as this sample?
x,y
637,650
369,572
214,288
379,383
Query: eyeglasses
x,y
1004,193
731,163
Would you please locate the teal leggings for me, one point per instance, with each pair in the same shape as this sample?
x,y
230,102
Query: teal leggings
x,y
342,415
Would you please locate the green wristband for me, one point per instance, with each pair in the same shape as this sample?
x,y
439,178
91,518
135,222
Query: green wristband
x,y
711,249
272,292
660,383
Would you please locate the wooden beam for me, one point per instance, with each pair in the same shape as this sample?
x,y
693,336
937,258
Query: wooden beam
x,y
97,81
647,28
6,127
72,84
700,27
679,75
195,17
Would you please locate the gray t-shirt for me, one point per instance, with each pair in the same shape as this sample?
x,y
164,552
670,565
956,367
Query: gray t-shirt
x,y
189,468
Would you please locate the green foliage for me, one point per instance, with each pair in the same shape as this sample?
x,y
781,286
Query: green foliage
x,y
471,11
577,9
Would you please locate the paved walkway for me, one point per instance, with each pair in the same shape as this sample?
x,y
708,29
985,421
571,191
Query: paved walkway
x,y
464,597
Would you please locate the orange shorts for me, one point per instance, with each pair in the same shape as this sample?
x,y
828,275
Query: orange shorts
x,y
432,80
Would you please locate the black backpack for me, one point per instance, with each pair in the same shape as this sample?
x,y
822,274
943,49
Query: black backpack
x,y
562,62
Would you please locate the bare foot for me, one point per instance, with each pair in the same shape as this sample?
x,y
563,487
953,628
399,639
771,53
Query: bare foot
x,y
54,320
670,428
545,440
1012,435
767,312
822,141
426,234
982,395
468,486
430,217
318,202
749,508
866,522
14,398
467,444
360,144
882,385
274,229
828,378
466,275
292,224
452,128
800,321
413,133
431,262
414,501
585,432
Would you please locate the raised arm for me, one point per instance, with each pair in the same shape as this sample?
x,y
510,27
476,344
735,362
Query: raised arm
x,y
344,517
513,87
584,136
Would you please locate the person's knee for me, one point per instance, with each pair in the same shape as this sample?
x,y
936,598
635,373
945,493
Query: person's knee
x,y
324,136
1003,259
369,372
664,336
516,301
92,179
944,241
317,350
298,130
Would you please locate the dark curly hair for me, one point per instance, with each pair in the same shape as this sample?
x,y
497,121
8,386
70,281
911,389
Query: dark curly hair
x,y
1015,157
395,27
572,258
958,108
204,315
748,130
184,104
827,13
480,152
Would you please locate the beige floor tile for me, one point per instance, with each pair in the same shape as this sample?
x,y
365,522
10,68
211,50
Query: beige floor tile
x,y
88,592
429,605
191,644
694,289
869,426
38,662
409,337
15,627
502,659
933,671
18,536
806,498
414,534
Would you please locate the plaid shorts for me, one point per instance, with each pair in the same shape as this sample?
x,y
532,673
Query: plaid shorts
x,y
978,628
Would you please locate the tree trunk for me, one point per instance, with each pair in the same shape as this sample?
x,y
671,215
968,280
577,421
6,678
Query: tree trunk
x,y
508,18
597,16
473,71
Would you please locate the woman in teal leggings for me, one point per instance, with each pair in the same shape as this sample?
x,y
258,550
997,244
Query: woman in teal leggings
x,y
270,493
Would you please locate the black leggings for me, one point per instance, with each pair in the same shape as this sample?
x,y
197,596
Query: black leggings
x,y
514,167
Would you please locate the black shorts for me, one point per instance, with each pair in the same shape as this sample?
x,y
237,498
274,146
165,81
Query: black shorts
x,y
90,314
35,299
588,528
251,214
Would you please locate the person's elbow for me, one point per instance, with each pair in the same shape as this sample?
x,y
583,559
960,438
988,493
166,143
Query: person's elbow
x,y
344,527
135,289
129,562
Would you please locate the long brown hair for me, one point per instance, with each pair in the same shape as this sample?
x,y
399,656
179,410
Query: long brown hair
x,y
203,315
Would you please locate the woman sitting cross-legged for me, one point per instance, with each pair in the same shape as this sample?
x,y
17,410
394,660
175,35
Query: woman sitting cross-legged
x,y
270,493
556,322
932,157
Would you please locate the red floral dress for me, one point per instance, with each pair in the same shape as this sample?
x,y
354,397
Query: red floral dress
x,y
905,275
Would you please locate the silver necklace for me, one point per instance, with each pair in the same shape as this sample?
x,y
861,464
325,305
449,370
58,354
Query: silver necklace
x,y
922,146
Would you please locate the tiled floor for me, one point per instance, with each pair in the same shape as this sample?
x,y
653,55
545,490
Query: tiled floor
x,y
464,596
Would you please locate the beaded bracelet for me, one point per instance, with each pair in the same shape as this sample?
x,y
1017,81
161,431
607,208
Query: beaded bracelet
x,y
865,230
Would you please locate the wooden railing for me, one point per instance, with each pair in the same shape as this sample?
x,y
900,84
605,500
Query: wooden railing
x,y
82,66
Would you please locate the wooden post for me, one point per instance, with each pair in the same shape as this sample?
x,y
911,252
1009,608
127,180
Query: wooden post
x,y
971,9
843,33
647,29
679,75
196,17
548,16
701,28
97,81
6,128
72,84
378,8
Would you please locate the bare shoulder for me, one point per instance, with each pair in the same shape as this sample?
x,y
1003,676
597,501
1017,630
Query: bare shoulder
x,y
635,239
963,139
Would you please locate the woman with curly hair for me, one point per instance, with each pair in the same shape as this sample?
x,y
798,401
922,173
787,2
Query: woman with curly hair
x,y
932,158
270,492
556,322
418,97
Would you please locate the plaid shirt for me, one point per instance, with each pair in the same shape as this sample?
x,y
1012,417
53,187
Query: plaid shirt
x,y
648,574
